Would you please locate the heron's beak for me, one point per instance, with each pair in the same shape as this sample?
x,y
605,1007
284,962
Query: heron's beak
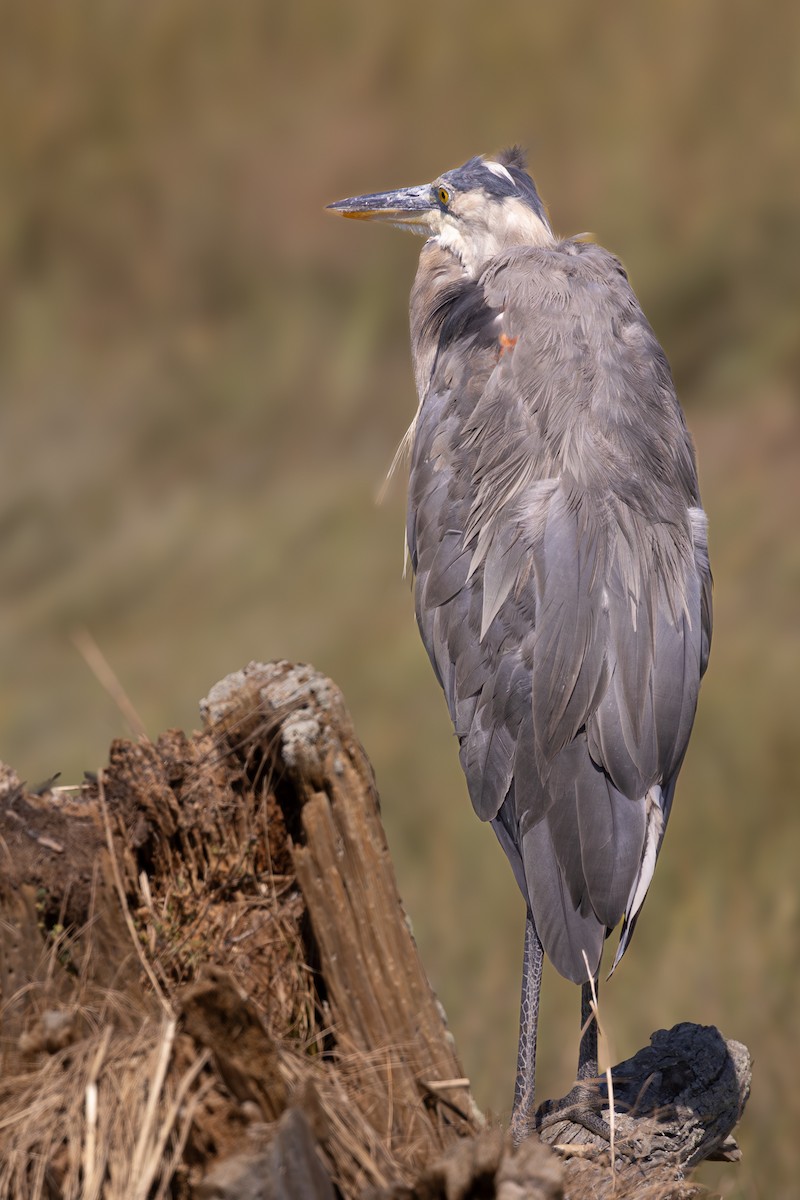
x,y
409,208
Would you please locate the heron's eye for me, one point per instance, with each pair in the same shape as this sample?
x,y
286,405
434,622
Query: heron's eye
x,y
444,195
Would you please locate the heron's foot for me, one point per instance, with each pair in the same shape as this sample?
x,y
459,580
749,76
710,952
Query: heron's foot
x,y
582,1106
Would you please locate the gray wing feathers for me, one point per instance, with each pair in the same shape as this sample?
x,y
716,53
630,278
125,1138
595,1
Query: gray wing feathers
x,y
448,571
571,666
487,756
502,569
566,610
699,526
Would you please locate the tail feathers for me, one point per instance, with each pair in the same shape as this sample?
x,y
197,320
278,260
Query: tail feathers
x,y
656,824
567,933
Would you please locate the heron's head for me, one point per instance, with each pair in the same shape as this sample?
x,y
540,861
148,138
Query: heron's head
x,y
476,210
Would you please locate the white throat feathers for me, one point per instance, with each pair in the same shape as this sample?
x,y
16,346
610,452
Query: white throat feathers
x,y
475,232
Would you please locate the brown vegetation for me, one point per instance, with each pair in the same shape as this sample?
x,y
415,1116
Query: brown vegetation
x,y
209,989
161,923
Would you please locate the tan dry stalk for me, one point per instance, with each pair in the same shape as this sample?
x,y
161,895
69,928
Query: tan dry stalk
x,y
93,1170
145,1161
105,675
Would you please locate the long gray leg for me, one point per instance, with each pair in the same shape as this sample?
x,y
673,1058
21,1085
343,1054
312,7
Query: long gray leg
x,y
523,1116
587,1054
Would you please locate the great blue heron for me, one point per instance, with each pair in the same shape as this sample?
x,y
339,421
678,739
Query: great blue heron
x,y
563,588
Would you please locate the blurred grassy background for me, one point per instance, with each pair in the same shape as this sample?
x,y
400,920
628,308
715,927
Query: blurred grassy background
x,y
204,379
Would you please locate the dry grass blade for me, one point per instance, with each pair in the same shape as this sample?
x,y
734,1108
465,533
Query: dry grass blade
x,y
146,1153
609,1081
170,1117
189,1111
102,670
93,1169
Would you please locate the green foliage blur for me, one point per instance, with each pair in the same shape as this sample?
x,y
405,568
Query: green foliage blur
x,y
204,378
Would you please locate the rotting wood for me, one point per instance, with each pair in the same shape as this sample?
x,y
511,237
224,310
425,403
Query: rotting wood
x,y
380,997
288,1169
203,869
250,1064
243,873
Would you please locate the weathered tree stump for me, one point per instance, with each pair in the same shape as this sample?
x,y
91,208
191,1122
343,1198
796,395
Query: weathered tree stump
x,y
387,1022
209,989
219,915
377,988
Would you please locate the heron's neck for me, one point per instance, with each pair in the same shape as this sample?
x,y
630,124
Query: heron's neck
x,y
440,271
511,223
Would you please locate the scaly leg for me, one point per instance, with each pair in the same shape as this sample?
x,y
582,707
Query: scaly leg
x,y
587,1054
523,1120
